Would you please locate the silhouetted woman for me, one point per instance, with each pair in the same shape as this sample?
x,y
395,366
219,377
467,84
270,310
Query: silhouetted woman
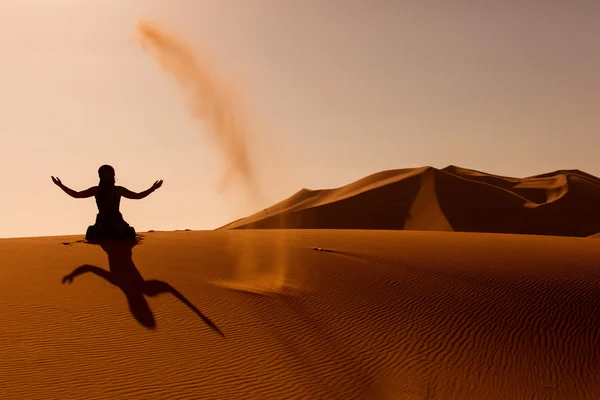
x,y
109,221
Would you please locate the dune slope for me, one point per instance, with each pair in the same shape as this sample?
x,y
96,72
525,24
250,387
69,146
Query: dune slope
x,y
561,203
317,314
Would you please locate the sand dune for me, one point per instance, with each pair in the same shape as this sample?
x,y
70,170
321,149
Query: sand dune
x,y
360,315
561,203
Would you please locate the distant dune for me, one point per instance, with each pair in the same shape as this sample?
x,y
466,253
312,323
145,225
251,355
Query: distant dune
x,y
560,203
359,315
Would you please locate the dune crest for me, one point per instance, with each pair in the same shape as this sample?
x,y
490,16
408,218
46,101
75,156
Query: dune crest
x,y
560,203
425,212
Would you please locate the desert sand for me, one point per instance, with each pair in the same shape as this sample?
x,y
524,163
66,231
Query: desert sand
x,y
561,203
314,314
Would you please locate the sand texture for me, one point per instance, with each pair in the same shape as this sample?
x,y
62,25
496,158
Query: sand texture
x,y
285,314
561,203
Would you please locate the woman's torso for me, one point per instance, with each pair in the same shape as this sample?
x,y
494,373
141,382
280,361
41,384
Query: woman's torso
x,y
108,200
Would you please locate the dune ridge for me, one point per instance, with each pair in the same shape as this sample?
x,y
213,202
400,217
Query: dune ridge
x,y
372,315
560,203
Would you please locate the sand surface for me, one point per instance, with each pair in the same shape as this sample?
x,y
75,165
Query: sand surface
x,y
561,203
319,315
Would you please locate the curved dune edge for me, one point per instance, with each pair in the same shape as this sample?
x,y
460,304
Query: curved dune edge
x,y
561,203
361,315
425,212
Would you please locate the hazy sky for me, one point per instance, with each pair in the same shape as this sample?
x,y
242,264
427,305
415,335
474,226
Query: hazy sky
x,y
341,89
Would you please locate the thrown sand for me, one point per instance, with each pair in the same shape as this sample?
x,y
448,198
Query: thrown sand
x,y
361,315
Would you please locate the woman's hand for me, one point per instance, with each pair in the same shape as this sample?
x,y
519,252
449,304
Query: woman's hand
x,y
56,181
157,184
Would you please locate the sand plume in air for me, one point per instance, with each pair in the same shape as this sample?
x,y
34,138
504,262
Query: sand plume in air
x,y
216,102
211,98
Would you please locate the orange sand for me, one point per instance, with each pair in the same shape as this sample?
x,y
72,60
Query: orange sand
x,y
359,315
561,203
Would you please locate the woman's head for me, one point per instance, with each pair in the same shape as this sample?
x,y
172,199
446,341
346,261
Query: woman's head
x,y
107,175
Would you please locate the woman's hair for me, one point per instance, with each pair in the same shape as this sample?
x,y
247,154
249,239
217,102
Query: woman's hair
x,y
106,174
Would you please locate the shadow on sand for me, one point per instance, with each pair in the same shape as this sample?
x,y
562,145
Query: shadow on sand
x,y
124,275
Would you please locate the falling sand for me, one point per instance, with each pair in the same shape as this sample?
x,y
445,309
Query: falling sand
x,y
215,101
211,98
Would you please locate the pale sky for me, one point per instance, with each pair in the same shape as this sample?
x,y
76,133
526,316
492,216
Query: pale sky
x,y
343,89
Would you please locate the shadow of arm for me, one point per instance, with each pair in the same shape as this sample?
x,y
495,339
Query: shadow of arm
x,y
154,288
102,273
